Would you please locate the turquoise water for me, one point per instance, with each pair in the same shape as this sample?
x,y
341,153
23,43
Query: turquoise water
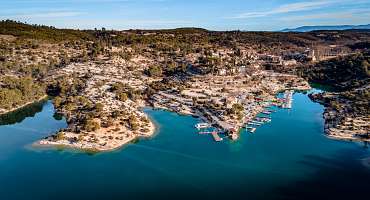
x,y
289,158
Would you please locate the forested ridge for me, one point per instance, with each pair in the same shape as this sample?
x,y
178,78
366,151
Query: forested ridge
x,y
40,32
344,72
17,91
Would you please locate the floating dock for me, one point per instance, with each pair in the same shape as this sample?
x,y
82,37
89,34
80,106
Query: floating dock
x,y
288,98
254,124
216,136
204,132
266,112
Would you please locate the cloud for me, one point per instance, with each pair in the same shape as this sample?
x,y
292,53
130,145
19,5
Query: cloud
x,y
287,8
343,16
340,15
300,6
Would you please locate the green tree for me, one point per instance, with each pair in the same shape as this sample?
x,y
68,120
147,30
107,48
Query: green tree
x,y
154,71
99,107
122,97
57,102
91,125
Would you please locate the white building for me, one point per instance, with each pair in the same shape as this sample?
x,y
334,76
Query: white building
x,y
289,62
230,101
222,72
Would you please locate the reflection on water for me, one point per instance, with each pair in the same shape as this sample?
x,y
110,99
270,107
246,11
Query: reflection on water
x,y
333,178
58,116
19,115
322,87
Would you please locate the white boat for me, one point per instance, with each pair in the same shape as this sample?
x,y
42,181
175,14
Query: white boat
x,y
202,125
254,124
251,129
257,122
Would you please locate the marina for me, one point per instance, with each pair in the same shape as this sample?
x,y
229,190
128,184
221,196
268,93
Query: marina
x,y
250,124
232,106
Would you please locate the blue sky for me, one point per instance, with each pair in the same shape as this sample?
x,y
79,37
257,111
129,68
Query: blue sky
x,y
210,14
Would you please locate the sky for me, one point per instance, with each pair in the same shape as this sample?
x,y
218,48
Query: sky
x,y
266,15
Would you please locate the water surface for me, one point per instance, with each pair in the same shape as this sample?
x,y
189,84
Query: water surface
x,y
289,158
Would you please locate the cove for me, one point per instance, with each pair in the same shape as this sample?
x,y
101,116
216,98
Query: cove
x,y
289,158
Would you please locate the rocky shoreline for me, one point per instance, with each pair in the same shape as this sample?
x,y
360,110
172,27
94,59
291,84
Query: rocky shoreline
x,y
99,114
342,121
104,139
100,119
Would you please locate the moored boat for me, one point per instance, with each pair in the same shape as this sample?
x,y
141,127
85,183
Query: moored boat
x,y
202,125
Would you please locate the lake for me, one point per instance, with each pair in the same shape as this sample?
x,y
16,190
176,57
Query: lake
x,y
289,158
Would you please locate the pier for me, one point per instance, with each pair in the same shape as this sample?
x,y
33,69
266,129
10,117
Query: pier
x,y
288,99
204,133
216,136
222,124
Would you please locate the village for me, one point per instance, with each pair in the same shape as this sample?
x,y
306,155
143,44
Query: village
x,y
229,100
230,103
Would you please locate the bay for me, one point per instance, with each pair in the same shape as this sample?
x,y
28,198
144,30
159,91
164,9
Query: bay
x,y
289,158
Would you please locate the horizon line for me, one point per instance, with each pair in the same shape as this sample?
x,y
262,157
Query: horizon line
x,y
185,27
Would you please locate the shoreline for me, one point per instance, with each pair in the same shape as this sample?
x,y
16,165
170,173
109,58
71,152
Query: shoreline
x,y
350,138
340,124
24,105
88,143
120,132
117,140
239,125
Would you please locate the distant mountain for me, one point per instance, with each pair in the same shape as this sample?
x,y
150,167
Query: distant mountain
x,y
316,28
